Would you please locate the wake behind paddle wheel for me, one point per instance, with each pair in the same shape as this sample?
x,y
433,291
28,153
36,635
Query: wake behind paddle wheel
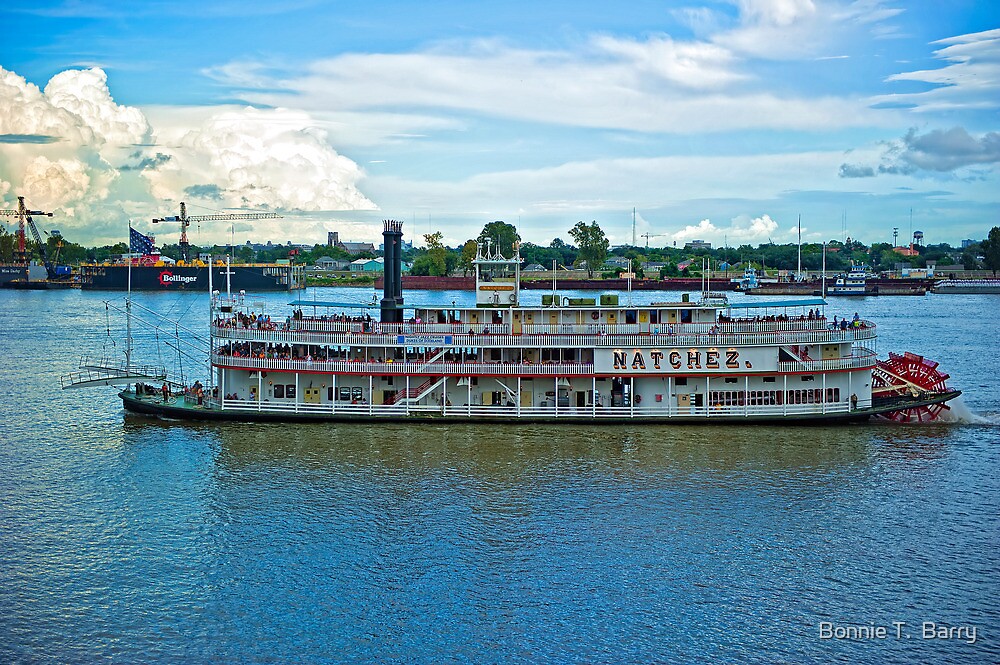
x,y
909,375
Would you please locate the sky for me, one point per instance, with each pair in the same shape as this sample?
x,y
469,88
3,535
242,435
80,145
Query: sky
x,y
725,121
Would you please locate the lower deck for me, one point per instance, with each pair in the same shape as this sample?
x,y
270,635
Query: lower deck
x,y
185,407
591,397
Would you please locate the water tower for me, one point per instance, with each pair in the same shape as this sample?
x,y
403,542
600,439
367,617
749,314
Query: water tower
x,y
918,238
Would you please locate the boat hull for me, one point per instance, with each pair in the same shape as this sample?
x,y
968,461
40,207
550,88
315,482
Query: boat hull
x,y
269,277
179,409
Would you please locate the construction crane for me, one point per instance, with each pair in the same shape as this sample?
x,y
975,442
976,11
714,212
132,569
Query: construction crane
x,y
185,221
647,236
24,217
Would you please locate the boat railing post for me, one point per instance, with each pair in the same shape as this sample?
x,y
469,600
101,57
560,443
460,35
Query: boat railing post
x,y
518,405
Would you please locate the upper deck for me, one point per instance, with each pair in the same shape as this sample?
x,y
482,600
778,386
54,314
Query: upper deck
x,y
582,327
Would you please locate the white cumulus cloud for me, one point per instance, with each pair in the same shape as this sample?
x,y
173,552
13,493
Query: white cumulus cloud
x,y
271,158
741,230
85,94
71,149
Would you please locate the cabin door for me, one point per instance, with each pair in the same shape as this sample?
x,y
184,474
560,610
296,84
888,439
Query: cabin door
x,y
684,401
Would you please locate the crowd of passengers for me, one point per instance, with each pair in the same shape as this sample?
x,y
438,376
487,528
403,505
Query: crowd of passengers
x,y
247,321
264,322
289,352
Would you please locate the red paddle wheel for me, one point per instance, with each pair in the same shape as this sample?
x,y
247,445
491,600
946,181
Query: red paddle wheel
x,y
909,375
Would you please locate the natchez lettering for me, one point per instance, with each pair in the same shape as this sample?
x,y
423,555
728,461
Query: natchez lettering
x,y
676,359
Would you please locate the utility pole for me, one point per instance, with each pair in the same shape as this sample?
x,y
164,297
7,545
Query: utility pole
x,y
895,233
798,270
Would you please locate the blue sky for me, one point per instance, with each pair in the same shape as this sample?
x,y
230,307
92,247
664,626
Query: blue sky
x,y
717,120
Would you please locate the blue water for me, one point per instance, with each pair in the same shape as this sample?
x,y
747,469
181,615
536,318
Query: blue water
x,y
127,539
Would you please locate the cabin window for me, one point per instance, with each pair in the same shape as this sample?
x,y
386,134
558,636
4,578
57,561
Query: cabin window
x,y
495,355
357,394
731,379
654,316
279,391
808,377
769,379
345,394
290,390
685,316
681,381
329,394
630,316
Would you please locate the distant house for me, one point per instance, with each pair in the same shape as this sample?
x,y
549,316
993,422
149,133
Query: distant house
x,y
368,265
329,263
653,265
619,262
534,267
352,248
684,265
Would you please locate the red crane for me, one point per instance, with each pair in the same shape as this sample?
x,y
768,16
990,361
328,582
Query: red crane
x,y
23,216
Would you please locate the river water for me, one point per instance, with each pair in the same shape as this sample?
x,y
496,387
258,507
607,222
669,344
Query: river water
x,y
127,539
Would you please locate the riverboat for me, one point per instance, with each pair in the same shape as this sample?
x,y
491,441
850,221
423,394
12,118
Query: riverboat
x,y
568,359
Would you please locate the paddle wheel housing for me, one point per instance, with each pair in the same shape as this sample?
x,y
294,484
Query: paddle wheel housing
x,y
910,375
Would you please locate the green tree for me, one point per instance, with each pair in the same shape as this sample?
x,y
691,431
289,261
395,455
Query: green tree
x,y
593,245
437,254
6,245
468,256
991,250
502,235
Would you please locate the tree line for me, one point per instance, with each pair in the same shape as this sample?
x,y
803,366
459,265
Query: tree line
x,y
589,248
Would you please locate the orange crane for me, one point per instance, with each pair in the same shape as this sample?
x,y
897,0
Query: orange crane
x,y
23,216
185,221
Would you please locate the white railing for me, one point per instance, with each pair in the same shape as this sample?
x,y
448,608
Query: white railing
x,y
404,368
475,411
861,359
593,339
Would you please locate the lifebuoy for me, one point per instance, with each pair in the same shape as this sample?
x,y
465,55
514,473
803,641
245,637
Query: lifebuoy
x,y
512,297
595,315
638,399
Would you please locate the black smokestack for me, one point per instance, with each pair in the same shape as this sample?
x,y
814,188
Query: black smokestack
x,y
392,280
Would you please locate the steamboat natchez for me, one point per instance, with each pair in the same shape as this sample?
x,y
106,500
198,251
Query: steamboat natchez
x,y
574,359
